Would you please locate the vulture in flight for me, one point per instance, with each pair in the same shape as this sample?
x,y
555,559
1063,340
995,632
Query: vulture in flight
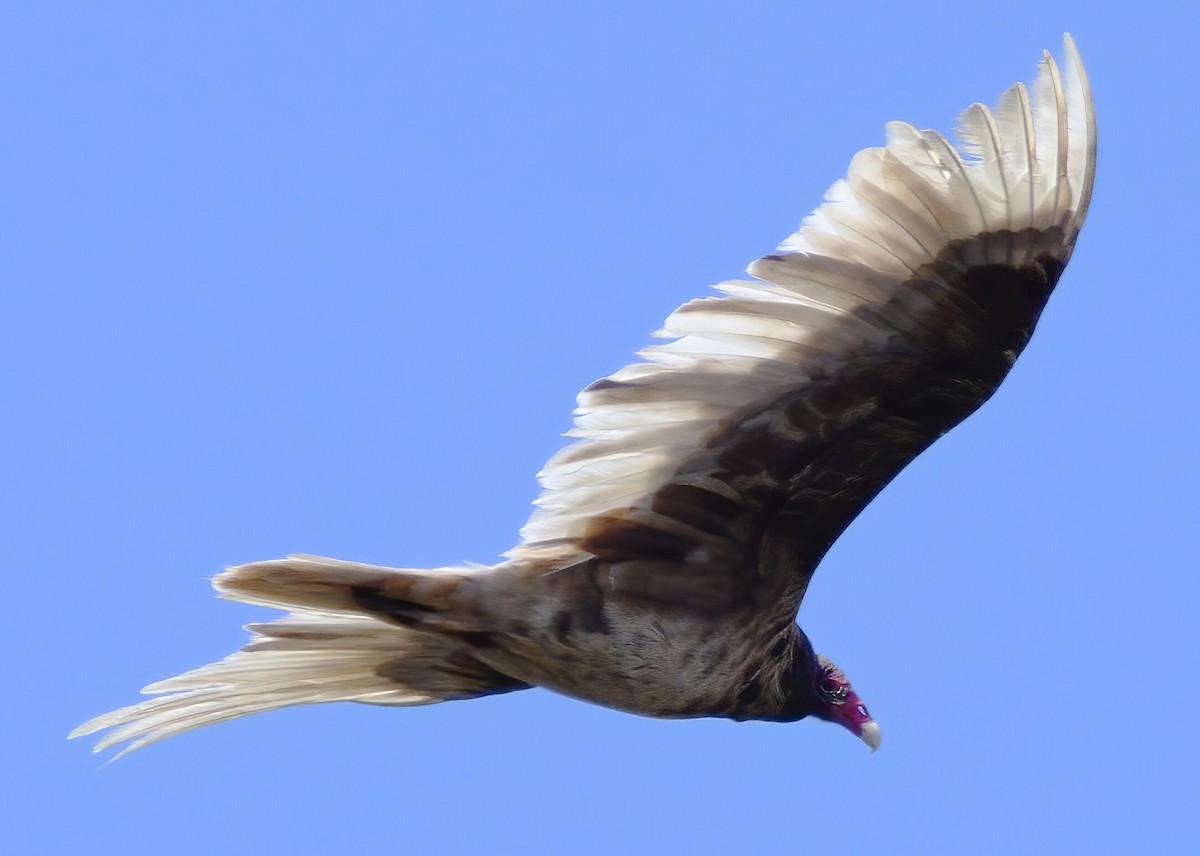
x,y
663,567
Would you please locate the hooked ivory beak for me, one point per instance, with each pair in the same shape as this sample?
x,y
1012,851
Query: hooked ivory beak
x,y
871,734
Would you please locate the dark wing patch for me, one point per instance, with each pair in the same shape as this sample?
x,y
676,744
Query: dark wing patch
x,y
786,476
853,431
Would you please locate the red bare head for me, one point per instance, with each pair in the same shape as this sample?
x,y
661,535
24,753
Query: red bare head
x,y
838,702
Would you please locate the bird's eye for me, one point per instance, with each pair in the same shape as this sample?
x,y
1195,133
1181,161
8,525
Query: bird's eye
x,y
834,690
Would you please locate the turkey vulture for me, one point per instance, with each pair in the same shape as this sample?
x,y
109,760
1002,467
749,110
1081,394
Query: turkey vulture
x,y
663,568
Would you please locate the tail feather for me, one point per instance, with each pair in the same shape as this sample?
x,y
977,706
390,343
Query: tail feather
x,y
328,649
442,600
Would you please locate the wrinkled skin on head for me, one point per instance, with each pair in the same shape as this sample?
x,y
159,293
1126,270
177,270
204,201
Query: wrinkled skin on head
x,y
838,702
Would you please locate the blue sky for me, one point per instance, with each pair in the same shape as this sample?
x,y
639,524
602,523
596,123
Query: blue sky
x,y
280,278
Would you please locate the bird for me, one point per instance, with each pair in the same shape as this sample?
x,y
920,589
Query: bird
x,y
662,570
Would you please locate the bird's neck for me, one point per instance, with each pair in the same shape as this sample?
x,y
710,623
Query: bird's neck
x,y
781,689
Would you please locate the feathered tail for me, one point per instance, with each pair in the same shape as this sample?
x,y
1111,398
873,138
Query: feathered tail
x,y
355,633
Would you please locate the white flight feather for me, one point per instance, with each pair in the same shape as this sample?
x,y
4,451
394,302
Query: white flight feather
x,y
334,658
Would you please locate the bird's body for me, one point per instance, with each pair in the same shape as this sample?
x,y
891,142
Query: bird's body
x,y
579,635
664,568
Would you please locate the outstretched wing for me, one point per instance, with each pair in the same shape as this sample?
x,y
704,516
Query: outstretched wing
x,y
722,467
